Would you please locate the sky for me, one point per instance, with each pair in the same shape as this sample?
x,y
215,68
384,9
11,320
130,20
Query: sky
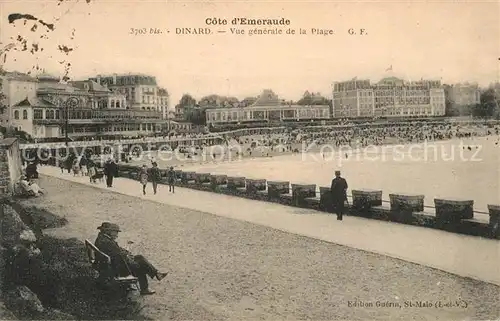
x,y
452,41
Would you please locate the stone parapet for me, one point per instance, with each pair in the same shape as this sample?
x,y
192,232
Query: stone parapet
x,y
255,185
325,199
188,177
217,180
178,174
404,205
10,165
302,191
494,222
364,199
277,188
234,182
201,178
453,210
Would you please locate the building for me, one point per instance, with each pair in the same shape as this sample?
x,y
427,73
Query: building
x,y
390,97
141,91
462,97
15,86
268,108
88,110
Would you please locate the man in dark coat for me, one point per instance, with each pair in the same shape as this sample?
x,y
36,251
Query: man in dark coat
x,y
339,194
171,180
122,261
155,175
110,170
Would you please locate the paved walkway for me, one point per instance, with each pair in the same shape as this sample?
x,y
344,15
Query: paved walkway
x,y
463,255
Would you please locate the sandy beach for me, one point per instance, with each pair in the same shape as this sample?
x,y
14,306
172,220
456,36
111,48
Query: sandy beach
x,y
226,269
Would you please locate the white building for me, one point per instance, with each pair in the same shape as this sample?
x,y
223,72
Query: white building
x,y
268,108
141,91
390,97
85,108
463,96
16,87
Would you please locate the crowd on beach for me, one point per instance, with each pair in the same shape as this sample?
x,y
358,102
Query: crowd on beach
x,y
272,142
310,139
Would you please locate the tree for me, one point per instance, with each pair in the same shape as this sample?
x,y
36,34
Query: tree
x,y
488,105
312,99
215,101
187,101
248,101
197,116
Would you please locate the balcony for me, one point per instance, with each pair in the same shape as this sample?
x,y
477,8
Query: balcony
x,y
48,121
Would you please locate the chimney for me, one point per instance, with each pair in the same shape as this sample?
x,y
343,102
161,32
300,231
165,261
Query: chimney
x,y
99,79
114,79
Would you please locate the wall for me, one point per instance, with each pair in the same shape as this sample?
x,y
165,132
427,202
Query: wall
x,y
10,164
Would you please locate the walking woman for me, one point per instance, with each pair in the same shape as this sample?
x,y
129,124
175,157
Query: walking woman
x,y
143,178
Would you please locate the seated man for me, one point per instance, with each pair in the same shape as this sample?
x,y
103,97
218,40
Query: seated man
x,y
120,258
30,187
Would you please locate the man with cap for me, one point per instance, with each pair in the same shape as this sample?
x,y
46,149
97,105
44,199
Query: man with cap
x,y
122,260
339,194
155,176
110,170
171,179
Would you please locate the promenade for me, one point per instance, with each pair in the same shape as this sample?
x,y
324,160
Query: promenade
x,y
462,255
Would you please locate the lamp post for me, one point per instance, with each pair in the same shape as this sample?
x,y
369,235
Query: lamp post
x,y
72,102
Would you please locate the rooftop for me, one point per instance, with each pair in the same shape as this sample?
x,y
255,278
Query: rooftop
x,y
14,75
92,85
35,102
7,141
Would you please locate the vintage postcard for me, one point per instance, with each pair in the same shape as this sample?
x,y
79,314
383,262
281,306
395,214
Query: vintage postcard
x,y
249,160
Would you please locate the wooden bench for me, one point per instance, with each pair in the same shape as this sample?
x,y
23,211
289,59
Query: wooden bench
x,y
101,262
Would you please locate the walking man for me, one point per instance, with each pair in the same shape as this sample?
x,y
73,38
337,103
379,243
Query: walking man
x,y
171,179
155,176
122,261
339,194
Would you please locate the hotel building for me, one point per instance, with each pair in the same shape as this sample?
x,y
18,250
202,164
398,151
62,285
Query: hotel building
x,y
42,106
463,96
140,91
268,108
390,97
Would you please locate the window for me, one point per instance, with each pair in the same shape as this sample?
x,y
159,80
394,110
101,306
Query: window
x,y
37,114
57,114
25,114
118,104
16,114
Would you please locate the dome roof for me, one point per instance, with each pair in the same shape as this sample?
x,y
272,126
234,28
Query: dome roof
x,y
47,77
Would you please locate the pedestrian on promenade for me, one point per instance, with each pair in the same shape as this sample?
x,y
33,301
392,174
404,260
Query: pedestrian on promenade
x,y
83,165
110,171
155,176
122,261
92,170
339,194
143,178
61,165
171,179
76,168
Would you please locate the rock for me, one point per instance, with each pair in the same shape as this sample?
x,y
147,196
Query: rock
x,y
23,302
53,314
6,314
12,226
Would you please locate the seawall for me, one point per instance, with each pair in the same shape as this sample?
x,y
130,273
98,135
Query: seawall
x,y
449,214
